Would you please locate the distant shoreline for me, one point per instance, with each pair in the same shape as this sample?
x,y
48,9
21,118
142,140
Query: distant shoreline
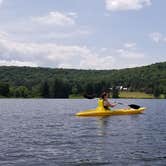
x,y
122,95
126,95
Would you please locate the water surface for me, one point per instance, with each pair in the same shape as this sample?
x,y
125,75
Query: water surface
x,y
45,132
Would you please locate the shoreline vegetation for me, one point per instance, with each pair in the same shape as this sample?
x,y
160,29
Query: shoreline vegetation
x,y
122,95
37,82
127,95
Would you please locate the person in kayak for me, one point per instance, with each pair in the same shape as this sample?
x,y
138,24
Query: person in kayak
x,y
107,105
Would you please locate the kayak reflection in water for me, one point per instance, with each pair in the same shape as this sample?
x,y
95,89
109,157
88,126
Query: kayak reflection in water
x,y
107,105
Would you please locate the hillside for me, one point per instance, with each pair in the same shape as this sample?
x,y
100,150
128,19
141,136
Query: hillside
x,y
147,78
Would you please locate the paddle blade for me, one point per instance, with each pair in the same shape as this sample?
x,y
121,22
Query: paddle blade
x,y
89,96
134,106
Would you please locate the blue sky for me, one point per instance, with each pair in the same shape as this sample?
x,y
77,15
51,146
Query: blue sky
x,y
81,34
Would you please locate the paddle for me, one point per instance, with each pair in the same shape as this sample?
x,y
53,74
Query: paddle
x,y
134,106
89,96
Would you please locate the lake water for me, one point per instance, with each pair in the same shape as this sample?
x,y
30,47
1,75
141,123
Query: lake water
x,y
40,132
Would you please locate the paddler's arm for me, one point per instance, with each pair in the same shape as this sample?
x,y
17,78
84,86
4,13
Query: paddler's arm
x,y
108,104
112,105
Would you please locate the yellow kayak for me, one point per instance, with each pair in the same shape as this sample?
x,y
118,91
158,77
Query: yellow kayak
x,y
101,111
96,112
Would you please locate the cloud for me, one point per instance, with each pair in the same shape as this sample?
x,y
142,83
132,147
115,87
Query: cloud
x,y
130,45
56,18
3,34
73,14
17,53
53,26
97,61
16,63
124,5
157,37
50,54
130,56
130,52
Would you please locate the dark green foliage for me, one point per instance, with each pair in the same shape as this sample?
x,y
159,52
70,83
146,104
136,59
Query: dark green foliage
x,y
4,89
62,82
19,92
115,92
156,91
22,92
45,93
74,90
89,89
60,89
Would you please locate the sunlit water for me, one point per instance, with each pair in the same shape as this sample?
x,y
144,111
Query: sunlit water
x,y
43,132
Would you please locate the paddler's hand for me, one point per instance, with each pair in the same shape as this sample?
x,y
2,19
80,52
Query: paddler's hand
x,y
113,105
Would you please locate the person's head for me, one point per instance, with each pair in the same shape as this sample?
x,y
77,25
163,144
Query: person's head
x,y
104,95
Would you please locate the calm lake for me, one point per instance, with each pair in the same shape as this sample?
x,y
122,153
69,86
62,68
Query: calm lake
x,y
41,132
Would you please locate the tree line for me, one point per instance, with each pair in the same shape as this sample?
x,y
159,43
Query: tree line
x,y
47,89
56,88
29,82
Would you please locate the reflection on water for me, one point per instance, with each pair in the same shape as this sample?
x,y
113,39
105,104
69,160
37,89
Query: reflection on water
x,y
102,125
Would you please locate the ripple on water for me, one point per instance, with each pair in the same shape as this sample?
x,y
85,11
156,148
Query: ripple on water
x,y
39,133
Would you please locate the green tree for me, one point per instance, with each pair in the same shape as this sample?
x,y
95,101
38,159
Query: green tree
x,y
36,91
89,88
4,89
156,92
60,89
74,90
21,91
115,92
45,93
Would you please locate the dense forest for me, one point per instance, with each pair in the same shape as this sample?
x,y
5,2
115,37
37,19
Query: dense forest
x,y
28,82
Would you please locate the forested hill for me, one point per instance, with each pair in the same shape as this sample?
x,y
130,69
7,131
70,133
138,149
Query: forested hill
x,y
34,81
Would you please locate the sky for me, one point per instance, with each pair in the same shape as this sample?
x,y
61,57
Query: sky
x,y
82,34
